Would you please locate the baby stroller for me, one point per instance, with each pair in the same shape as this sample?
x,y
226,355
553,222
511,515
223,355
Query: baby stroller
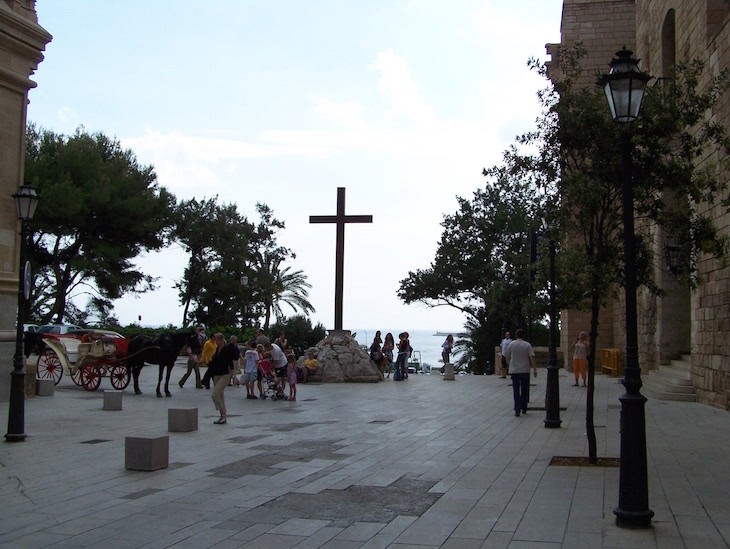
x,y
272,386
278,381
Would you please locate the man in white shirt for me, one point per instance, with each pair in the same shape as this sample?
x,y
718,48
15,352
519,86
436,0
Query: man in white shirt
x,y
278,362
520,356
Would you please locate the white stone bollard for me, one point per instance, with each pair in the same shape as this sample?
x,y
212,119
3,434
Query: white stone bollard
x,y
147,453
112,400
182,420
45,387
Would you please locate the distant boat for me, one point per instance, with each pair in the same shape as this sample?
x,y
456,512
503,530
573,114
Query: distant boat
x,y
444,334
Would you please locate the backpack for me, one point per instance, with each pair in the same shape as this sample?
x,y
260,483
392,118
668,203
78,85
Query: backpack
x,y
398,375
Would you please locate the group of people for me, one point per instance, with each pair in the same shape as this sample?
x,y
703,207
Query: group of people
x,y
261,360
382,353
518,356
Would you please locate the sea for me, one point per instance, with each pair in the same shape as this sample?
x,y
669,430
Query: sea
x,y
426,342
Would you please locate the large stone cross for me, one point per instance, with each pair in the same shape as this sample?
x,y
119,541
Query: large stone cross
x,y
340,219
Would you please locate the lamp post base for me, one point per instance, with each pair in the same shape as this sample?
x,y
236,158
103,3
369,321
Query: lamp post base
x,y
16,411
552,399
633,519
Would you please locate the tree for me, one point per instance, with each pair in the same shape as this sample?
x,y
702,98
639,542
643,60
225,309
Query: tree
x,y
272,284
483,265
99,210
578,169
224,246
220,243
299,332
281,286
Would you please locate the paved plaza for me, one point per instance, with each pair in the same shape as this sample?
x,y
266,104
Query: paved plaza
x,y
421,463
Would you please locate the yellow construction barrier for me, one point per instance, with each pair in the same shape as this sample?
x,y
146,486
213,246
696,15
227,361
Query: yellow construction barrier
x,y
611,362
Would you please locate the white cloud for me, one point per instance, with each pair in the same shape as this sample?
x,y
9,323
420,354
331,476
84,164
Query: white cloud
x,y
348,113
66,114
400,91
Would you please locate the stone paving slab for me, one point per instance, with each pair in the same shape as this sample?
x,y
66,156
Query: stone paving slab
x,y
418,463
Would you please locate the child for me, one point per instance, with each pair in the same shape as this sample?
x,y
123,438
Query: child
x,y
291,374
251,358
264,369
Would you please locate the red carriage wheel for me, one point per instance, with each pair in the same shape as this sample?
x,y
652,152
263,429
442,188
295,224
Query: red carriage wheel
x,y
90,377
119,376
49,366
76,376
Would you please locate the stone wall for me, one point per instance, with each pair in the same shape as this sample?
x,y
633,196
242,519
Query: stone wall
x,y
696,29
666,31
21,42
602,26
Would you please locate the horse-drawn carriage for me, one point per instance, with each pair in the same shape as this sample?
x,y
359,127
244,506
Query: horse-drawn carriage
x,y
87,357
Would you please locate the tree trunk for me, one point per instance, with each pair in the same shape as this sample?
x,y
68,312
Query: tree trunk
x,y
185,312
590,427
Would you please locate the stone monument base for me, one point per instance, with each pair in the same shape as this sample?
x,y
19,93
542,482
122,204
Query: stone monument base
x,y
341,359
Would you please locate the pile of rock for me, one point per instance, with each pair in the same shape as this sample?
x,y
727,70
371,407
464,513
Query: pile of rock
x,y
340,358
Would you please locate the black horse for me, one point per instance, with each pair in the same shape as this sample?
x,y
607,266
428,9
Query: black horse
x,y
162,349
32,343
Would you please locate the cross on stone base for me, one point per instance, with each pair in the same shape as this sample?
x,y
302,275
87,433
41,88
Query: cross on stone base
x,y
340,219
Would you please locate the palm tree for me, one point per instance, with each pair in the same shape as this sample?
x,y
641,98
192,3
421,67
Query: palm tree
x,y
279,286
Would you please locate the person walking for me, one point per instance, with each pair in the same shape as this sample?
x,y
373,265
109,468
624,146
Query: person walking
x,y
209,349
446,347
520,356
580,357
221,368
194,349
503,346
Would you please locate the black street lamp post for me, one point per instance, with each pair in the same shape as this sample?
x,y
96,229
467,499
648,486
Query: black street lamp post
x,y
552,391
624,87
26,201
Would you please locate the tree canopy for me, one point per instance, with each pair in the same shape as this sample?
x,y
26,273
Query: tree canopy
x,y
223,246
99,210
219,243
483,265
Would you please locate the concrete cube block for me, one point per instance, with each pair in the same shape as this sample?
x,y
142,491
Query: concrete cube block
x,y
112,400
31,368
449,371
146,453
45,387
182,420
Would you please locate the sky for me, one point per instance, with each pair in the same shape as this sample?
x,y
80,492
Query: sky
x,y
402,102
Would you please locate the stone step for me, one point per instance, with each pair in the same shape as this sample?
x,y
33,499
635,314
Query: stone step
x,y
683,362
673,374
670,382
666,385
674,397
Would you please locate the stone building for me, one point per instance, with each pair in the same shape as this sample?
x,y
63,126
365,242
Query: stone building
x,y
683,322
21,42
